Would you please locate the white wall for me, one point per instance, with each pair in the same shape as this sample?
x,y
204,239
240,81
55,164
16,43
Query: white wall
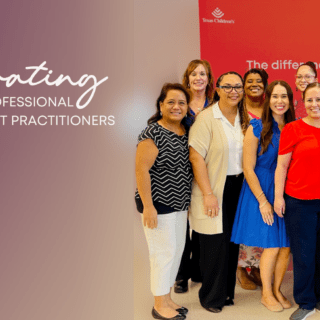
x,y
166,40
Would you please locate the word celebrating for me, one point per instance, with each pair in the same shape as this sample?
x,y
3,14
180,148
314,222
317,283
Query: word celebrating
x,y
279,64
10,80
62,120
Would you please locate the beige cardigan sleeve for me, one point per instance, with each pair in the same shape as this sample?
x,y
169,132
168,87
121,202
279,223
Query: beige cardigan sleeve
x,y
200,133
208,139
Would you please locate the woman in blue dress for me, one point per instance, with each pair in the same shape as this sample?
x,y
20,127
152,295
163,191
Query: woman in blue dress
x,y
255,223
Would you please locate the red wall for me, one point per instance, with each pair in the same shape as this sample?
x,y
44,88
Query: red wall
x,y
271,33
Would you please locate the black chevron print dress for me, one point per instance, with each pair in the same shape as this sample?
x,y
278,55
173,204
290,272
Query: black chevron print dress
x,y
171,174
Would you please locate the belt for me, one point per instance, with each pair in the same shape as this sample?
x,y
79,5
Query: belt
x,y
236,175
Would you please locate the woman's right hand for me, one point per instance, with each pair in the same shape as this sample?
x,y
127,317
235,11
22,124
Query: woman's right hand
x,y
279,206
211,205
150,217
267,213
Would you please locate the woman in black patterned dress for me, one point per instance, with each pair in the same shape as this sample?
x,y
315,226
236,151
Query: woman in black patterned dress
x,y
164,177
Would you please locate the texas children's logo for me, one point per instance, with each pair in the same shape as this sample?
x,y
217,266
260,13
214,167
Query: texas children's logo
x,y
218,14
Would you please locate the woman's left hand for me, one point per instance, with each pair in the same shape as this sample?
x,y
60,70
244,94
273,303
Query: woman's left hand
x,y
267,213
279,206
211,205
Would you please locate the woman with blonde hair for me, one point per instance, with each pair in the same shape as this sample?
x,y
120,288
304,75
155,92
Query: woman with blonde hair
x,y
198,79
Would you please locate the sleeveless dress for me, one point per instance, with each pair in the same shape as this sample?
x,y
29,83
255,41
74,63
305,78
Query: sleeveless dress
x,y
249,227
249,256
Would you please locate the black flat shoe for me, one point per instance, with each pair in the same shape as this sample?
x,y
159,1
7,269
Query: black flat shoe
x,y
214,309
183,310
157,315
181,286
229,302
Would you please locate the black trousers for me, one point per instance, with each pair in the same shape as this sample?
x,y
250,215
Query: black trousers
x,y
219,256
302,218
190,261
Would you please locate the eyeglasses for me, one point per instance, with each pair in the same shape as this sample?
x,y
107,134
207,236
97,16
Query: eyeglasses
x,y
307,77
228,89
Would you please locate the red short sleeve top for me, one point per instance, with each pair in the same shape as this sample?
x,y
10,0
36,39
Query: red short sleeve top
x,y
300,109
303,177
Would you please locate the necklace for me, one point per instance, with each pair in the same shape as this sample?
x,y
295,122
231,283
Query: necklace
x,y
196,104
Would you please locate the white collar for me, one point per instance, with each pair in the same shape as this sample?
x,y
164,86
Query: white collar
x,y
217,114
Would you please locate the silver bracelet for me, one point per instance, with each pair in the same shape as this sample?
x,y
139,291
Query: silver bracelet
x,y
263,204
259,195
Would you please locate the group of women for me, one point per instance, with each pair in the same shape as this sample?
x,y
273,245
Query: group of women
x,y
254,173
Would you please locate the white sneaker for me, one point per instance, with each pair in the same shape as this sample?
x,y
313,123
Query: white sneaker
x,y
302,314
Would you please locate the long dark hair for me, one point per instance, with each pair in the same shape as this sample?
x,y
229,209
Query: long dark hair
x,y
210,86
266,134
264,77
240,104
163,94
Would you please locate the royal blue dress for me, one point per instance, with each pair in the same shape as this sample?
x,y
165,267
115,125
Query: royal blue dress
x,y
248,227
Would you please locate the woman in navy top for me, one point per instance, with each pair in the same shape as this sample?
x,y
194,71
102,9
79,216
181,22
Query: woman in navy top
x,y
199,81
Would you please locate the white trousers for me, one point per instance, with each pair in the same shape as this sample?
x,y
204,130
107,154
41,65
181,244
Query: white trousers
x,y
166,244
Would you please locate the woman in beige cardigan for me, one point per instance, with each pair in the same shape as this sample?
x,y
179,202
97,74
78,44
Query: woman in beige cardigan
x,y
215,142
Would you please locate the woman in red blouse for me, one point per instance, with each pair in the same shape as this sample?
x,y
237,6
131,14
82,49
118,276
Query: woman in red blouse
x,y
306,73
298,176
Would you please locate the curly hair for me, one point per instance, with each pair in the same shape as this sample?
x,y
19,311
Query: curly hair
x,y
264,77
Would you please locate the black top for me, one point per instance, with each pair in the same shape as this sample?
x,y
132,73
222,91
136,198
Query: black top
x,y
171,173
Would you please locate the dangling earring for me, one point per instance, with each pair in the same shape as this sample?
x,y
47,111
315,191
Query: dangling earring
x,y
160,114
186,115
296,89
188,85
